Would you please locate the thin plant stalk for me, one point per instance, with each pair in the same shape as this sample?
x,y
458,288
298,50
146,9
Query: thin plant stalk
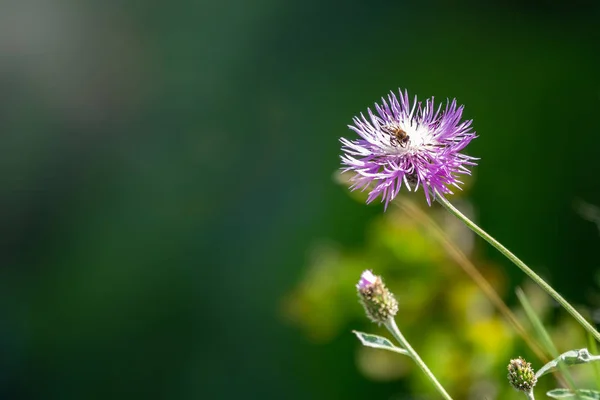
x,y
393,328
530,395
536,278
463,261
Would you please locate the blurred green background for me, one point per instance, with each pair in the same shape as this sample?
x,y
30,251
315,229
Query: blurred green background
x,y
168,170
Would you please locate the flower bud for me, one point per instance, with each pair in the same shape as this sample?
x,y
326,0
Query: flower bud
x,y
379,303
520,375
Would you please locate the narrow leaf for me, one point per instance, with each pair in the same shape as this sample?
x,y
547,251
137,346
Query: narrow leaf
x,y
571,357
378,342
560,394
584,394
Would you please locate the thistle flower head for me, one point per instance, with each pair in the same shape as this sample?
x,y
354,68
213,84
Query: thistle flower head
x,y
379,303
520,375
412,143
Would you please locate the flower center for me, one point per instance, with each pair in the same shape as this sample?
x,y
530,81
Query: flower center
x,y
407,137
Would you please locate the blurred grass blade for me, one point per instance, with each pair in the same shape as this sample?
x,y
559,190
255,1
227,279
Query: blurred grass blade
x,y
572,357
410,208
569,394
537,324
544,336
378,342
593,345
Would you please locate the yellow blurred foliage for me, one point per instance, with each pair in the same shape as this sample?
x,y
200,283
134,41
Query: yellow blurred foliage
x,y
443,313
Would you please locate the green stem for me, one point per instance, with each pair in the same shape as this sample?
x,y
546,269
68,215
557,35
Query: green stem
x,y
530,395
393,328
537,279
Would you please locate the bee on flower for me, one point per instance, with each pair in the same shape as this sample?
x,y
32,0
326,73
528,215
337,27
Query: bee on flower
x,y
408,143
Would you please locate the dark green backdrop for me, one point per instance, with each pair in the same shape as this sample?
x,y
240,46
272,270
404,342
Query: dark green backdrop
x,y
166,165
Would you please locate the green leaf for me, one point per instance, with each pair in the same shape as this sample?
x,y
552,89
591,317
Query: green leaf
x,y
568,394
560,393
378,342
571,357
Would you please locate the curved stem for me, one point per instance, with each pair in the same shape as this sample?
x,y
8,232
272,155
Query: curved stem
x,y
393,328
536,278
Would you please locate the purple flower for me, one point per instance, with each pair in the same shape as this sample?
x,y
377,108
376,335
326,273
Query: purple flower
x,y
412,143
366,279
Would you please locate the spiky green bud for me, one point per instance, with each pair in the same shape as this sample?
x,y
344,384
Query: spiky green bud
x,y
379,303
520,375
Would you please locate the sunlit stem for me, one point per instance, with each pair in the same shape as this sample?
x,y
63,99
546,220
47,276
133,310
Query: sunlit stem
x,y
530,395
537,279
393,328
465,263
